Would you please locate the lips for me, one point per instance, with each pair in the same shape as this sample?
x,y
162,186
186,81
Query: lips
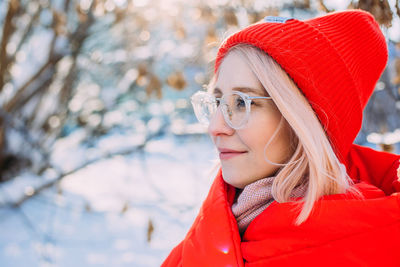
x,y
226,153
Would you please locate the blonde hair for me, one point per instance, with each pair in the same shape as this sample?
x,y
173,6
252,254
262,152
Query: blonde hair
x,y
313,161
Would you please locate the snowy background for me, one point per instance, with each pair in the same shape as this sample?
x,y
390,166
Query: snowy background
x,y
103,214
102,162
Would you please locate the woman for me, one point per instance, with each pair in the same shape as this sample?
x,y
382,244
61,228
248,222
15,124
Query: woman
x,y
283,109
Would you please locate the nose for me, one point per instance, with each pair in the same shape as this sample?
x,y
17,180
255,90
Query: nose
x,y
218,125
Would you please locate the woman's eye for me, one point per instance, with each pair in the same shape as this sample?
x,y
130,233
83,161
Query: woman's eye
x,y
240,103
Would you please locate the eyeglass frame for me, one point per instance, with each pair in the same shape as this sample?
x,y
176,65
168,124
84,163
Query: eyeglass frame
x,y
247,99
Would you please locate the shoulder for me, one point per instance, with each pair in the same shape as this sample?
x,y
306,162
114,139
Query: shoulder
x,y
361,231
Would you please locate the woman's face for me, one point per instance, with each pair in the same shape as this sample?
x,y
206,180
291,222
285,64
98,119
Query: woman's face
x,y
242,151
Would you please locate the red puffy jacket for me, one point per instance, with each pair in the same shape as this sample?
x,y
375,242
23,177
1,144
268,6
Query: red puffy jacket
x,y
342,230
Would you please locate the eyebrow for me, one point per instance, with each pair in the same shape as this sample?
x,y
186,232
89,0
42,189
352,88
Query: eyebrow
x,y
244,90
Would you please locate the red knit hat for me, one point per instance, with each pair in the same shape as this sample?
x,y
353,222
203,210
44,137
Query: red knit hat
x,y
335,60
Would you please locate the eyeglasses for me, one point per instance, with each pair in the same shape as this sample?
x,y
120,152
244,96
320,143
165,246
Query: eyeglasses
x,y
235,107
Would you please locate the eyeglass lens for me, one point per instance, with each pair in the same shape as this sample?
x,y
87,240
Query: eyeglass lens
x,y
234,108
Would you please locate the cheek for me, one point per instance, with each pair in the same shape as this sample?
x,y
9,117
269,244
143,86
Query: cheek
x,y
262,130
258,137
280,148
260,134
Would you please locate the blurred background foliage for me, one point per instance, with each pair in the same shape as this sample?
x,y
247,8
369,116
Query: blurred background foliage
x,y
129,66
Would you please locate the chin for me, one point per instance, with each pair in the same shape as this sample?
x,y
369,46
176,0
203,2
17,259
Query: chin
x,y
232,178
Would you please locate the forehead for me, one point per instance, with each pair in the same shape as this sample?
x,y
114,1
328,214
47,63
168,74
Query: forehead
x,y
235,73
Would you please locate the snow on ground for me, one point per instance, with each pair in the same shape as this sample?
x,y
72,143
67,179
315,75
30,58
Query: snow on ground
x,y
100,215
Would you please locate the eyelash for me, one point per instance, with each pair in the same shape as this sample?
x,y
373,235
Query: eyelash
x,y
251,103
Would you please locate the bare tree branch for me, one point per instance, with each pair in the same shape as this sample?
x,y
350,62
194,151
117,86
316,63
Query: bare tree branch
x,y
20,126
27,32
8,29
12,104
324,7
41,87
125,152
77,39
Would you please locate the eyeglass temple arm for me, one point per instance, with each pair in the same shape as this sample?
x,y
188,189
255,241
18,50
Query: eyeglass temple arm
x,y
260,97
